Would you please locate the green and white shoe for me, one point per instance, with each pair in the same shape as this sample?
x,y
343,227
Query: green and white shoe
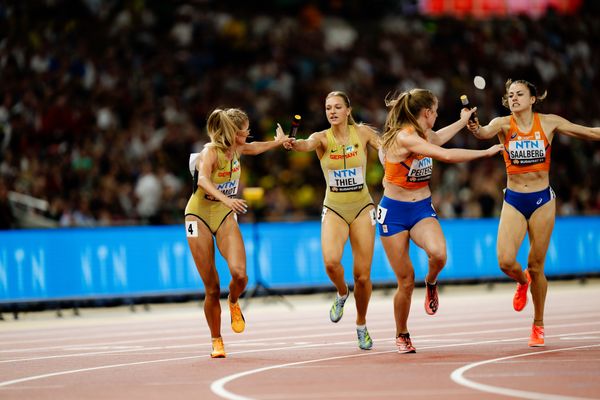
x,y
337,309
364,339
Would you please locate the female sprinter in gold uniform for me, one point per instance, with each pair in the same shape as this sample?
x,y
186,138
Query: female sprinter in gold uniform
x,y
348,209
211,211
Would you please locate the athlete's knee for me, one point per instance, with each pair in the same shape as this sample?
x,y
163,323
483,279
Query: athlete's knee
x,y
507,264
438,257
535,264
406,280
212,292
362,279
536,269
406,284
332,265
239,276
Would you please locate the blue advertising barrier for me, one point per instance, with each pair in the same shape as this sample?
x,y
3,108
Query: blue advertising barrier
x,y
38,265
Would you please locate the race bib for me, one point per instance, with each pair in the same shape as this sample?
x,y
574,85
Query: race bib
x,y
346,180
524,152
420,170
381,213
229,189
191,228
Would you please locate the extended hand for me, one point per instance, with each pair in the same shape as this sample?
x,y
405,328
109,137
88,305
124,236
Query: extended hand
x,y
282,138
239,206
495,149
466,113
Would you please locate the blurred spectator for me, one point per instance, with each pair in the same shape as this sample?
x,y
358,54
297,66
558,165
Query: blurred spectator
x,y
148,191
91,89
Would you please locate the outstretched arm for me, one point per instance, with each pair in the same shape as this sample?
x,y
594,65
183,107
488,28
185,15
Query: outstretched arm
x,y
255,148
488,131
311,143
575,130
443,135
416,144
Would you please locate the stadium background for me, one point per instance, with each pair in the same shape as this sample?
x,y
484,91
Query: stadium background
x,y
102,102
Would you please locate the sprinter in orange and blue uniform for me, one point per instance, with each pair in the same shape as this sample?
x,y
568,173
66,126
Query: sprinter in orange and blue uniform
x,y
529,205
527,152
405,212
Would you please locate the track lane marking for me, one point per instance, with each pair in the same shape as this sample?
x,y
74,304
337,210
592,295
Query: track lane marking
x,y
458,376
218,386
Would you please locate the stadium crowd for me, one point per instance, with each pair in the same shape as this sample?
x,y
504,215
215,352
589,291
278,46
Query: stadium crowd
x,y
101,102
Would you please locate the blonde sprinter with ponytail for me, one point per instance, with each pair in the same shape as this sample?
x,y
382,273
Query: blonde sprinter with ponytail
x,y
405,211
348,209
212,212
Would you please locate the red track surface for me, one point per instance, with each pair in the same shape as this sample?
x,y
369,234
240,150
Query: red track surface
x,y
474,348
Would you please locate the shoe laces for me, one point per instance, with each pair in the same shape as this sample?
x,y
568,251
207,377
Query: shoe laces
x,y
340,301
217,343
405,337
363,334
236,312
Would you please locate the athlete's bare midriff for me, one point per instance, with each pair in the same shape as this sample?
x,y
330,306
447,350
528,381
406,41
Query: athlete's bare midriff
x,y
528,182
396,192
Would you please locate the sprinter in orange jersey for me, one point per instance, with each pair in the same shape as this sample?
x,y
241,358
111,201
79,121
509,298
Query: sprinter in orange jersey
x,y
529,205
211,214
348,209
405,211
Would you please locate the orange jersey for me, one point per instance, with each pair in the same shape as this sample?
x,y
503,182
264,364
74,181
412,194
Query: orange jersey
x,y
412,173
526,152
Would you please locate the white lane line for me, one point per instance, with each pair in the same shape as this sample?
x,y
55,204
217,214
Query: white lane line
x,y
262,339
226,393
218,386
280,338
11,347
458,377
74,371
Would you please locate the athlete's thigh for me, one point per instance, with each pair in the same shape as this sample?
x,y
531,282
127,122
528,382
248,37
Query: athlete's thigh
x,y
397,250
428,235
334,234
511,232
230,243
540,229
362,238
201,243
